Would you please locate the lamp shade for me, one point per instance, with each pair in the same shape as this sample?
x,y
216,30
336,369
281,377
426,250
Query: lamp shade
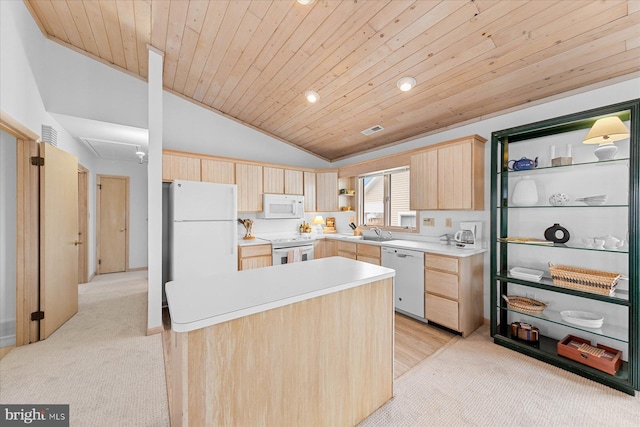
x,y
317,219
606,131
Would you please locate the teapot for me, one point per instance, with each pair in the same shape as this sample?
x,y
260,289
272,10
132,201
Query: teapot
x,y
612,242
522,164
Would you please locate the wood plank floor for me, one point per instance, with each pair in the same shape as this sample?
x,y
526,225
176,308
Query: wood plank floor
x,y
415,341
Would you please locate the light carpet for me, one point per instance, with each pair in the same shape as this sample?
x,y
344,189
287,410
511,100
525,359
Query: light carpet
x,y
474,382
100,362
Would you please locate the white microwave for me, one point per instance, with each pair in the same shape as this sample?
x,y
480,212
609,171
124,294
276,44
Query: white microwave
x,y
282,206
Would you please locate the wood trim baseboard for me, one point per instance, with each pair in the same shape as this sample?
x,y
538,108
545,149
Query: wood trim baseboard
x,y
138,268
155,330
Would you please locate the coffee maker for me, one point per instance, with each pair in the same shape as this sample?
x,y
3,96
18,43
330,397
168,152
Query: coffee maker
x,y
468,237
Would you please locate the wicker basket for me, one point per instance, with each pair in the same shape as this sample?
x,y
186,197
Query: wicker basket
x,y
595,281
524,304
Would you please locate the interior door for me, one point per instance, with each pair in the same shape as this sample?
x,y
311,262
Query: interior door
x,y
58,238
113,224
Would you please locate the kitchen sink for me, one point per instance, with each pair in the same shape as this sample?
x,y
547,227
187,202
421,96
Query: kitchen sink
x,y
377,239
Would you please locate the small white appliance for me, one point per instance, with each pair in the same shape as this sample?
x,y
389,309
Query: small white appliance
x,y
203,229
282,206
288,249
468,237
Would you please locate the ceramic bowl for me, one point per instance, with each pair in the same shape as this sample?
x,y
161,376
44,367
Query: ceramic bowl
x,y
559,199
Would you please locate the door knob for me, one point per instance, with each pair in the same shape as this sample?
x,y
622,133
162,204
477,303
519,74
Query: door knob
x,y
122,229
77,242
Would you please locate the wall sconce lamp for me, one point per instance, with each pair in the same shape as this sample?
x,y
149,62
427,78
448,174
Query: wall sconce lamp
x,y
605,132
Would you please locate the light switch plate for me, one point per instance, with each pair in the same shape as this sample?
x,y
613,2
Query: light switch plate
x,y
447,222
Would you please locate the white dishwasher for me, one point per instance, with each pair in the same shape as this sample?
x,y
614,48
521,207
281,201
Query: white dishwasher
x,y
409,281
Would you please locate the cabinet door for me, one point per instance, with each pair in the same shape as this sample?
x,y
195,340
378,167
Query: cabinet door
x,y
455,166
423,178
327,191
249,181
273,180
218,171
175,166
370,260
293,182
309,191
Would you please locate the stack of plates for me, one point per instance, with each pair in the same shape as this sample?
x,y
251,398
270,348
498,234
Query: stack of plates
x,y
582,318
526,274
594,200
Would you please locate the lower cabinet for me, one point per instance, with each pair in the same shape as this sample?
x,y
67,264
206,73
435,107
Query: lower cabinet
x,y
453,291
324,248
254,256
347,250
368,253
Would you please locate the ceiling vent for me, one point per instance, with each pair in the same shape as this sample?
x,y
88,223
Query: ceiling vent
x,y
372,130
49,135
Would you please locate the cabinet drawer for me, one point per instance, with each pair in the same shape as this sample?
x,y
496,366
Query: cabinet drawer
x,y
346,247
346,254
439,262
369,259
441,311
444,284
255,262
368,250
255,250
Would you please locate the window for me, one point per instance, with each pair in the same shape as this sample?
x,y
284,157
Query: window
x,y
384,199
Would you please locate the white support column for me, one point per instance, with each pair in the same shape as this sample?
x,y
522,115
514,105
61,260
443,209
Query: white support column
x,y
154,184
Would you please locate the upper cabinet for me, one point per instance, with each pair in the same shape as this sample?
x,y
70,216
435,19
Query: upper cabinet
x,y
449,176
293,182
218,171
309,191
180,166
273,180
249,181
423,172
327,191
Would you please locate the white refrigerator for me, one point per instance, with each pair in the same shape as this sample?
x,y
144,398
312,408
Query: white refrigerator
x,y
204,229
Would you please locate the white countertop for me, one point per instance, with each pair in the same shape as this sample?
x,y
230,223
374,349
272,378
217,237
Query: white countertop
x,y
417,245
215,299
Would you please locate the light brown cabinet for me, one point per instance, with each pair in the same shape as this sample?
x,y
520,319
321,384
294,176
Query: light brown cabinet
x,y
218,171
293,182
249,181
326,191
309,191
449,176
254,256
368,253
453,291
360,251
178,166
273,180
325,248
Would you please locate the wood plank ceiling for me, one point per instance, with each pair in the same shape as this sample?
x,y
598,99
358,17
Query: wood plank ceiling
x,y
253,60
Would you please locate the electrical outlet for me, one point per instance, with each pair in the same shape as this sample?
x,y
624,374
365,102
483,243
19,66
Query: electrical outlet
x,y
429,222
447,222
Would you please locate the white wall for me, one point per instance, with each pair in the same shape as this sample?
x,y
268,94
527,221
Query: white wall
x,y
7,240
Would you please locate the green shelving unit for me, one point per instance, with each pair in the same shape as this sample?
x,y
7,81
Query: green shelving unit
x,y
506,254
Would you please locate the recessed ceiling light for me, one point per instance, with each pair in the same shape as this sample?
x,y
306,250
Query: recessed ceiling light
x,y
406,83
312,96
305,2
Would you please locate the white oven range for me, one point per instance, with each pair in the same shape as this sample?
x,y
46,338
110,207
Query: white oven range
x,y
285,250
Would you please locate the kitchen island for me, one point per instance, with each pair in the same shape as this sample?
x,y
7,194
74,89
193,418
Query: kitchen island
x,y
297,344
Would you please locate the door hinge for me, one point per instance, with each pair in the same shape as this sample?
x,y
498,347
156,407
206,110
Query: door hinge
x,y
37,315
37,161
99,262
99,186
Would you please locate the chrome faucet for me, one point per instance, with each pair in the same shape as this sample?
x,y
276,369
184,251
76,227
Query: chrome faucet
x,y
390,235
377,231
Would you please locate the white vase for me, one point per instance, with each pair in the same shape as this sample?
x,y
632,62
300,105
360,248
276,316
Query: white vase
x,y
525,192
